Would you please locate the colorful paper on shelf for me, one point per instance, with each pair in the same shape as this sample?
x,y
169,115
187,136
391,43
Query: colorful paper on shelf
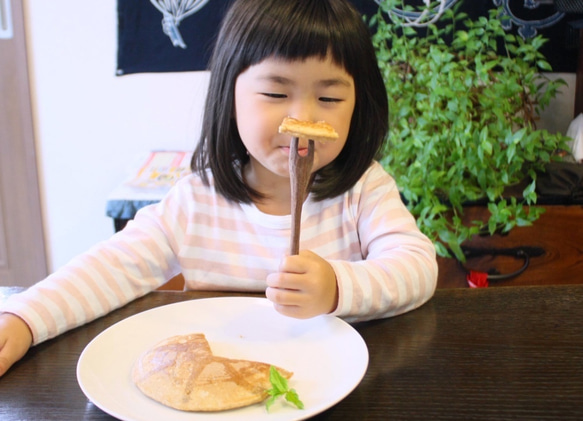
x,y
162,169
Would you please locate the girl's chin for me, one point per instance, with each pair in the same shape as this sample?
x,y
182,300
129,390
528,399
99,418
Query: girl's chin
x,y
274,171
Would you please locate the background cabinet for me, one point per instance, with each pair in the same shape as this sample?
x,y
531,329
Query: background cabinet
x,y
558,234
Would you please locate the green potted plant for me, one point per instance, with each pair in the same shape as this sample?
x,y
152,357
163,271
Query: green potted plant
x,y
464,96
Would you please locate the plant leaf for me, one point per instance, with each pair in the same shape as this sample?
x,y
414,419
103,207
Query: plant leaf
x,y
280,387
278,382
292,397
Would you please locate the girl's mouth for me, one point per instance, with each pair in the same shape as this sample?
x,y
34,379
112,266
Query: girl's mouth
x,y
301,151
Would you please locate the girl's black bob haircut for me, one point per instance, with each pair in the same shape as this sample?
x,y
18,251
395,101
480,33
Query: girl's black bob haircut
x,y
254,30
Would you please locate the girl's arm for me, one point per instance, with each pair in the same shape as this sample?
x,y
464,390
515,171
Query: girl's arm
x,y
130,264
399,269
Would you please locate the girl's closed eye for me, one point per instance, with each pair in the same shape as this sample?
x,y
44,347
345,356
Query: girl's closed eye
x,y
274,95
330,99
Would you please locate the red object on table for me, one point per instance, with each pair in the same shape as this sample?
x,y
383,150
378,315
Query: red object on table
x,y
477,279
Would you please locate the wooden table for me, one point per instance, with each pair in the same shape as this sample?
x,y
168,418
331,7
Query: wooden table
x,y
490,354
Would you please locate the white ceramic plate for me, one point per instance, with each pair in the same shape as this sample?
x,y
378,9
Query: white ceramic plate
x,y
328,357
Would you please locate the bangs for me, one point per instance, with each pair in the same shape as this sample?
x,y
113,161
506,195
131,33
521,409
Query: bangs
x,y
293,31
297,39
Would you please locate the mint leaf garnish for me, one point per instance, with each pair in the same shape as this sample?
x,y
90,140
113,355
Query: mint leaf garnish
x,y
280,387
293,397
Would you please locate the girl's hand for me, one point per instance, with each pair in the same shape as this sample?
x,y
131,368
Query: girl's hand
x,y
304,287
15,340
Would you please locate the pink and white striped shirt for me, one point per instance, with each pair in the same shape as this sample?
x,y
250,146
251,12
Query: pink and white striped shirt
x,y
384,265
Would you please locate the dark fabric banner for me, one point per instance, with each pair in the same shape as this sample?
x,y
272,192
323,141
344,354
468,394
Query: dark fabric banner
x,y
178,35
145,46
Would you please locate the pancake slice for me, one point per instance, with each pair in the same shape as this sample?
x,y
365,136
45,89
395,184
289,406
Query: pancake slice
x,y
181,372
319,131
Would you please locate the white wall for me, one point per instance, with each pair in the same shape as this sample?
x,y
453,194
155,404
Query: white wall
x,y
560,113
91,125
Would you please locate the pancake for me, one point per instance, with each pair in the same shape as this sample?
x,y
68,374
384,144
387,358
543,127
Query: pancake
x,y
181,372
319,131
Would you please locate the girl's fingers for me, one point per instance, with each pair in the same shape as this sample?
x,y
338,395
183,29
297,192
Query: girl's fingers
x,y
15,340
284,280
283,296
293,311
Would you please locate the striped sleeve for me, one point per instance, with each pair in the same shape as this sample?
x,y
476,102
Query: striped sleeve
x,y
130,264
398,271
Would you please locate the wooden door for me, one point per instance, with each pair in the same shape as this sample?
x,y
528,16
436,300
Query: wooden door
x,y
22,250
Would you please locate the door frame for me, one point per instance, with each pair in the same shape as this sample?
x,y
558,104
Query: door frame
x,y
23,259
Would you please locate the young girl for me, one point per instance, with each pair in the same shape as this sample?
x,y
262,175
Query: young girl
x,y
227,226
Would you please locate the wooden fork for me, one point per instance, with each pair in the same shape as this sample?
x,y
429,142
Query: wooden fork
x,y
300,173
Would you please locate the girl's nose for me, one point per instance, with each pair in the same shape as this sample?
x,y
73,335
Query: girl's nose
x,y
303,111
